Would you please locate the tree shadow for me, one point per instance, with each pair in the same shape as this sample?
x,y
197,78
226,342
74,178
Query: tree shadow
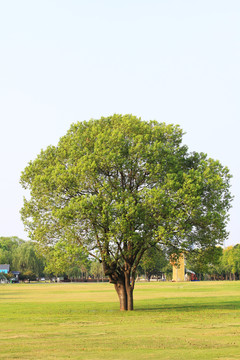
x,y
196,306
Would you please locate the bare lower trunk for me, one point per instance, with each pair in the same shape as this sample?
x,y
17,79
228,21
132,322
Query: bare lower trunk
x,y
125,295
124,289
124,281
122,295
130,299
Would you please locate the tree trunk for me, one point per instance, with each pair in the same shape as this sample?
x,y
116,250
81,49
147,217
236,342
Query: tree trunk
x,y
129,289
129,292
130,299
124,281
122,295
124,289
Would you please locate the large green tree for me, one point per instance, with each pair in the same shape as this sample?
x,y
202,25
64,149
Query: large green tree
x,y
118,185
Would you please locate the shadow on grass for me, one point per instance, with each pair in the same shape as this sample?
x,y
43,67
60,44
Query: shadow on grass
x,y
196,306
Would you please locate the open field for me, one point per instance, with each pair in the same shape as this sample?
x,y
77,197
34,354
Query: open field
x,y
198,320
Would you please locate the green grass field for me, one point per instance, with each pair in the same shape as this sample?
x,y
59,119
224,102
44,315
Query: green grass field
x,y
198,320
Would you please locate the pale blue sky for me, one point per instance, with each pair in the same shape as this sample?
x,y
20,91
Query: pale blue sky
x,y
175,61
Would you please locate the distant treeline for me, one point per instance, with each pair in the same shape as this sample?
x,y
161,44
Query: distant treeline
x,y
219,264
33,262
69,261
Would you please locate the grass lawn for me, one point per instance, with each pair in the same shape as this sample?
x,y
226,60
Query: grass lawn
x,y
198,320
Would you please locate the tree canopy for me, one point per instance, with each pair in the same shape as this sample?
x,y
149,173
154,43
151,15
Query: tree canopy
x,y
119,185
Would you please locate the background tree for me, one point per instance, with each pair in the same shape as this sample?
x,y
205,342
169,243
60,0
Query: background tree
x,y
28,261
66,258
236,261
206,261
97,270
153,262
227,262
119,185
230,262
8,248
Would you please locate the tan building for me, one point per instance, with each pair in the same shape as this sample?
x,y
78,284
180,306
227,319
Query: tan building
x,y
178,269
